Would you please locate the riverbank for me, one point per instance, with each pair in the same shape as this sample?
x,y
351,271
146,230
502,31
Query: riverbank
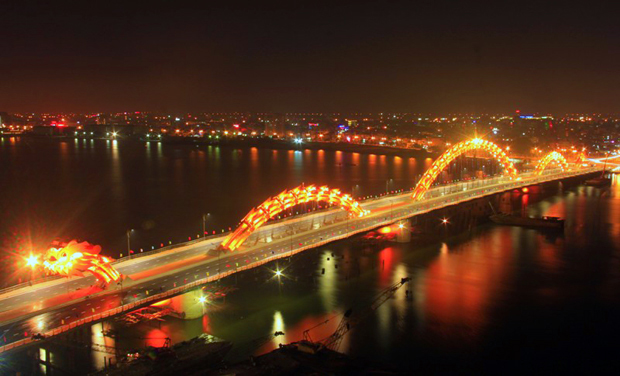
x,y
266,143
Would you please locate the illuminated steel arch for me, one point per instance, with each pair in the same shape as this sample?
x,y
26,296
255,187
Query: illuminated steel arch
x,y
451,154
289,198
553,156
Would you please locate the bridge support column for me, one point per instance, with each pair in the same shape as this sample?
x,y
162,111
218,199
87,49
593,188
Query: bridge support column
x,y
403,234
188,306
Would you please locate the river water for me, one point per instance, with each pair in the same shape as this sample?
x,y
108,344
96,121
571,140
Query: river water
x,y
498,299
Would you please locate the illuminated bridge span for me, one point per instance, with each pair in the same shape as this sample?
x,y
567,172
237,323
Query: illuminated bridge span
x,y
55,306
454,152
287,199
552,157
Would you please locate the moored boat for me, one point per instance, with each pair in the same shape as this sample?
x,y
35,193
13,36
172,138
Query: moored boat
x,y
598,182
546,222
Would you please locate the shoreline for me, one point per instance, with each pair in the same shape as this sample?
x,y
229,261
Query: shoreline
x,y
265,143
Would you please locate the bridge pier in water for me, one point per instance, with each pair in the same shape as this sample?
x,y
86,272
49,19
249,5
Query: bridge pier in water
x,y
188,306
467,215
403,234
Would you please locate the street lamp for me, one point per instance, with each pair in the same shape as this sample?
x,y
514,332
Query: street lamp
x,y
387,184
204,222
353,190
129,241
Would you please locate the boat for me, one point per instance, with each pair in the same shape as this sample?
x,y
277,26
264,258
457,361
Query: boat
x,y
187,357
601,181
545,222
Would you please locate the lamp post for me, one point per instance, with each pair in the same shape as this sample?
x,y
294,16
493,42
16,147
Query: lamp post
x,y
204,223
129,242
353,188
387,185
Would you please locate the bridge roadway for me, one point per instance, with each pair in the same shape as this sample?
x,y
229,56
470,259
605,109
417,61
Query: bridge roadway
x,y
59,303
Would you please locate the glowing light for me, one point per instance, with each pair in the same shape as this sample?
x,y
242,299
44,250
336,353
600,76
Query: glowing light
x,y
161,303
401,226
454,152
202,299
444,221
76,258
278,273
385,230
525,190
554,156
32,261
287,199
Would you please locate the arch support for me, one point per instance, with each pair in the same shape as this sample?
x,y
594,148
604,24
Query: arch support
x,y
454,152
554,156
289,198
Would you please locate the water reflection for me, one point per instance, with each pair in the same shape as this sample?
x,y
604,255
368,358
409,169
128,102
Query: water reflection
x,y
469,292
328,282
278,326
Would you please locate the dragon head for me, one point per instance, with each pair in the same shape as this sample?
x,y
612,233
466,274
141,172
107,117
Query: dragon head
x,y
73,259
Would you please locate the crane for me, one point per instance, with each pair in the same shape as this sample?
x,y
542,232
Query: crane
x,y
349,320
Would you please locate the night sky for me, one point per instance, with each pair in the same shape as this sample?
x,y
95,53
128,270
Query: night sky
x,y
436,56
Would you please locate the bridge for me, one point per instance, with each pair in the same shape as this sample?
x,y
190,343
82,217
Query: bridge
x,y
58,305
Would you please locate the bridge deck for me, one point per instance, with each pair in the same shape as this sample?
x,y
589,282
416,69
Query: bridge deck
x,y
60,307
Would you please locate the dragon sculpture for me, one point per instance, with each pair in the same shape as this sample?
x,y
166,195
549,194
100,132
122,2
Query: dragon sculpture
x,y
73,259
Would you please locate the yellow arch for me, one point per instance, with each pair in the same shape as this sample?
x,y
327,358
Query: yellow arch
x,y
289,198
451,154
554,156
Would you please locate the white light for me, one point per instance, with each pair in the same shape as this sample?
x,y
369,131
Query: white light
x,y
298,140
202,299
278,273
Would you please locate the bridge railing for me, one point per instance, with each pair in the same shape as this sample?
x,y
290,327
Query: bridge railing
x,y
29,283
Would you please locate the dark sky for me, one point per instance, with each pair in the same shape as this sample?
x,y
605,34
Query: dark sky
x,y
436,56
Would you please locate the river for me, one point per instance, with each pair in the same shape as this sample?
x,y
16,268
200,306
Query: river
x,y
495,299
